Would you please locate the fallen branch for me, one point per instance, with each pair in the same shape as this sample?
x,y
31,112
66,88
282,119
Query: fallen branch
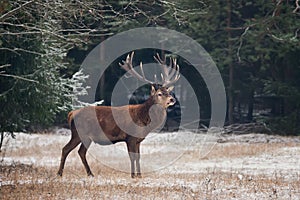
x,y
247,128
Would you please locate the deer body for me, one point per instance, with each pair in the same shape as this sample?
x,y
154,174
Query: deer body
x,y
111,133
142,119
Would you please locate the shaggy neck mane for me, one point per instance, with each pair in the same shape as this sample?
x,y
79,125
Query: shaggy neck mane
x,y
140,114
143,111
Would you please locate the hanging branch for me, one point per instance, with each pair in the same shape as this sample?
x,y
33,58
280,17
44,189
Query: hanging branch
x,y
297,3
15,10
18,77
241,43
4,66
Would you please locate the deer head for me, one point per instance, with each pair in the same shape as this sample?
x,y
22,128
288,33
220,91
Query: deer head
x,y
169,75
162,96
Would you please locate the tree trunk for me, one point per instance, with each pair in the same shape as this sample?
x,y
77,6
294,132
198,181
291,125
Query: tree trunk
x,y
230,65
102,86
250,106
1,140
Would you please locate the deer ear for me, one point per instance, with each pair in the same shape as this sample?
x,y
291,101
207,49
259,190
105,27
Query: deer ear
x,y
152,90
170,88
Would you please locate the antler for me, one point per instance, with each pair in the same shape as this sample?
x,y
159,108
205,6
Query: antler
x,y
170,74
127,66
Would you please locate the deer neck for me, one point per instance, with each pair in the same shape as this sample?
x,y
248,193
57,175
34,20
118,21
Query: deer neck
x,y
158,113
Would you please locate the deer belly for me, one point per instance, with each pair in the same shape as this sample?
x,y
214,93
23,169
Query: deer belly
x,y
108,139
102,142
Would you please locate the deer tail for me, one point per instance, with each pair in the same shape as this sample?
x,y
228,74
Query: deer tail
x,y
70,119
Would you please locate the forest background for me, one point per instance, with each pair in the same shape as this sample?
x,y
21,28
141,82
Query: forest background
x,y
255,46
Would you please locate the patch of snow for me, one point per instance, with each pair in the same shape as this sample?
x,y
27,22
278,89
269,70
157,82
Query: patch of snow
x,y
173,145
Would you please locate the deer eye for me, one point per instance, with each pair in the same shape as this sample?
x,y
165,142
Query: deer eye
x,y
159,94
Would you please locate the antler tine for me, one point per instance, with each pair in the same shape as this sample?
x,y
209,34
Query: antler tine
x,y
127,66
163,66
172,64
144,77
168,71
158,59
174,69
176,77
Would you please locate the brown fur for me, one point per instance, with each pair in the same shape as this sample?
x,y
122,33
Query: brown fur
x,y
88,119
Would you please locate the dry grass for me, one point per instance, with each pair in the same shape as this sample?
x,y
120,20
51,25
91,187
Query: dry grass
x,y
29,181
40,183
244,149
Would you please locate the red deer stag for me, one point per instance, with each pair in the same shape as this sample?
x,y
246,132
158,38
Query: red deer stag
x,y
143,117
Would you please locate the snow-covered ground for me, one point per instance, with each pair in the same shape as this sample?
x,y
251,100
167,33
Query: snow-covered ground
x,y
166,151
169,160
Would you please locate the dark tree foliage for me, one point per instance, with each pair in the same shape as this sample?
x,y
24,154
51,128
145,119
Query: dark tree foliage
x,y
254,44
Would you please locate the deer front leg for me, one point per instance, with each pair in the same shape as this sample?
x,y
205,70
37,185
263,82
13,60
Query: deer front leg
x,y
138,167
132,164
132,151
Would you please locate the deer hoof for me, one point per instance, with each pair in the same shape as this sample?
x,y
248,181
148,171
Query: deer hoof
x,y
90,174
136,176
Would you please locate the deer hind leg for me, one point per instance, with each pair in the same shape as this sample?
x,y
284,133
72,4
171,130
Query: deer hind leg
x,y
75,140
82,153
